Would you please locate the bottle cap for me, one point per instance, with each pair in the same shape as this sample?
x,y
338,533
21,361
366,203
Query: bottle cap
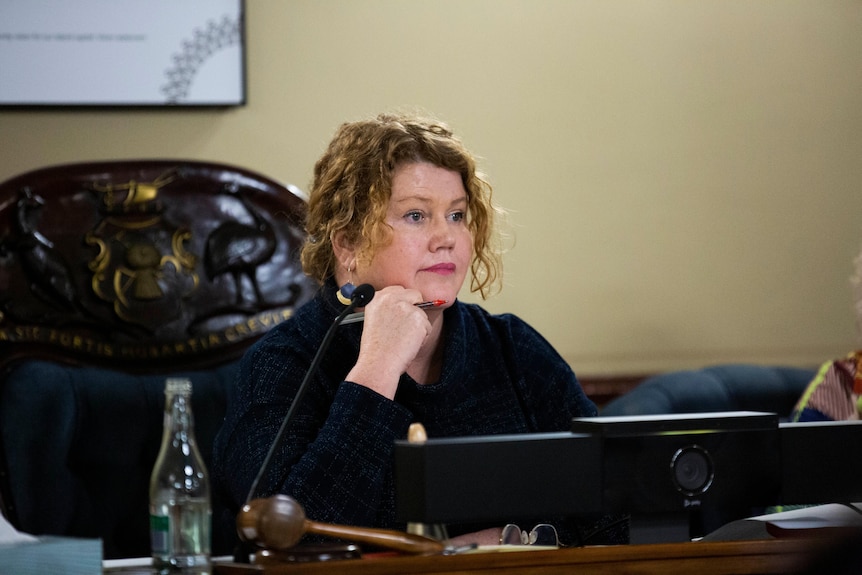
x,y
178,385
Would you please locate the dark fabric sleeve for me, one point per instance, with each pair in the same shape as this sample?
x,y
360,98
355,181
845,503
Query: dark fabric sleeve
x,y
336,451
340,475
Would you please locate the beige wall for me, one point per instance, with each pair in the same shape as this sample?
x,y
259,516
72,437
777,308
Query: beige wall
x,y
683,176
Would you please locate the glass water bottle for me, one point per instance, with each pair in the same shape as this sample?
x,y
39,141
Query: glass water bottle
x,y
180,512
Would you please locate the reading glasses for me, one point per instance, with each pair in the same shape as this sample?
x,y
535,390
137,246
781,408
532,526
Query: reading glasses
x,y
541,534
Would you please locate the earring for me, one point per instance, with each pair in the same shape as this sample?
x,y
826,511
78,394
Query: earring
x,y
345,292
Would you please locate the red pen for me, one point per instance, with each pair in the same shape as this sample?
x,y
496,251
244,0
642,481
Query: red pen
x,y
360,315
432,303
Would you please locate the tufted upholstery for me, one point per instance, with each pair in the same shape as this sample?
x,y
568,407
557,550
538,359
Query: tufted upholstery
x,y
731,387
114,276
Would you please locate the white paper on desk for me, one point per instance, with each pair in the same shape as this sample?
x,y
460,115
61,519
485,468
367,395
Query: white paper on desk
x,y
9,534
831,513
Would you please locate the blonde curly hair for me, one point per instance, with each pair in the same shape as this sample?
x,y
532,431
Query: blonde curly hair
x,y
353,183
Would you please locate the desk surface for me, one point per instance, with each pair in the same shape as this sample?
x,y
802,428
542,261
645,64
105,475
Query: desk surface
x,y
764,557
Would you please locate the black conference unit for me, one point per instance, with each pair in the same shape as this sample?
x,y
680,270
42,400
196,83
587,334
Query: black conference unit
x,y
678,476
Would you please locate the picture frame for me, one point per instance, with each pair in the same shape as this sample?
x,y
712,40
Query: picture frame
x,y
108,53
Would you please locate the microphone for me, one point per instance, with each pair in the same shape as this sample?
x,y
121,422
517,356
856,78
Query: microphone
x,y
279,521
360,297
363,294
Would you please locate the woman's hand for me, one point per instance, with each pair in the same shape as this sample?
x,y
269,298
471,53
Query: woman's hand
x,y
393,333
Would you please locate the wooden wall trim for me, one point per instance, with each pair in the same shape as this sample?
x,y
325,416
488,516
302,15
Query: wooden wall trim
x,y
604,388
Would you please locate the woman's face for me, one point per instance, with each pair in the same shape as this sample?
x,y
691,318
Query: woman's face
x,y
431,246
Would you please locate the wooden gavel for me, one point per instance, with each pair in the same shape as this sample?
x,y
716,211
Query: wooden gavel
x,y
279,522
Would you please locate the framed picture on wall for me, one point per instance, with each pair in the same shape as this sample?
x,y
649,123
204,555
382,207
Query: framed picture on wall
x,y
122,53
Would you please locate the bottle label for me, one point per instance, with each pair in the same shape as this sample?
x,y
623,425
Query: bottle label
x,y
159,528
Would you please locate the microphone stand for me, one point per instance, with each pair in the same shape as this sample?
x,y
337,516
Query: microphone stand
x,y
361,296
279,522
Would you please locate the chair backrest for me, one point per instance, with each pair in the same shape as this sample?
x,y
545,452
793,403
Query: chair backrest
x,y
114,276
730,387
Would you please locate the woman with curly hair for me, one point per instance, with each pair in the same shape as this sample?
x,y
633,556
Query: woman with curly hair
x,y
397,202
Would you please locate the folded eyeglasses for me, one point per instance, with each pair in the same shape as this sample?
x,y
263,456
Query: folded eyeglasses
x,y
541,534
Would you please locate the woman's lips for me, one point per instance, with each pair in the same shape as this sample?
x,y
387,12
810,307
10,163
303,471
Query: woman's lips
x,y
444,269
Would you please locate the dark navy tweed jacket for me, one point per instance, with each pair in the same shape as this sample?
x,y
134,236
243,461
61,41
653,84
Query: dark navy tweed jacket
x,y
499,376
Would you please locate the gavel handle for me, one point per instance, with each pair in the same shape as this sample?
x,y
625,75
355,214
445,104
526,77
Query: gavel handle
x,y
389,539
279,522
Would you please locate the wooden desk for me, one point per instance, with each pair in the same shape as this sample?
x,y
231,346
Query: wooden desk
x,y
765,557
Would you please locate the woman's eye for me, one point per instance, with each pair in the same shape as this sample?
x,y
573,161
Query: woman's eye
x,y
457,216
414,216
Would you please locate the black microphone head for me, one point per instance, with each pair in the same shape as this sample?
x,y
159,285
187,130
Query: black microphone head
x,y
363,294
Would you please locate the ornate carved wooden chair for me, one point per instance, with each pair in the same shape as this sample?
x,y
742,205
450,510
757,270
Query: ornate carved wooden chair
x,y
113,276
